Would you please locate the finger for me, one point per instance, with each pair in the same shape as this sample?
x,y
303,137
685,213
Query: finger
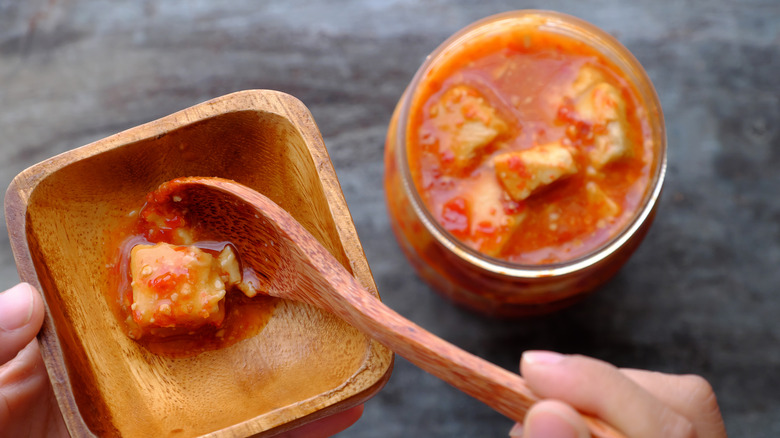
x,y
691,396
27,406
21,316
598,388
551,419
328,426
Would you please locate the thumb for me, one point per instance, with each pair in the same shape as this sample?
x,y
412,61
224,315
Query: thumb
x,y
27,405
21,316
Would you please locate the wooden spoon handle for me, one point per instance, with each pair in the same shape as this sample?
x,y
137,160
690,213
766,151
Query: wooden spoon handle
x,y
504,391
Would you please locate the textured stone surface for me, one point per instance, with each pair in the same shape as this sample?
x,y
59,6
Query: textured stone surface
x,y
700,295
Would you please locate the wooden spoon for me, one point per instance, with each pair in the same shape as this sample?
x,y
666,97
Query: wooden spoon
x,y
295,266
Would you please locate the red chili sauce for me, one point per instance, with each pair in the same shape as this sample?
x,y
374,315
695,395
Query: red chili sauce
x,y
529,147
164,274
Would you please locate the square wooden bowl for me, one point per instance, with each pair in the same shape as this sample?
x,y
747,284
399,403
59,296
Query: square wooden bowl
x,y
303,365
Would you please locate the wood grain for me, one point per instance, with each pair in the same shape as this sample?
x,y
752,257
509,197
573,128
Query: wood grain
x,y
61,213
298,268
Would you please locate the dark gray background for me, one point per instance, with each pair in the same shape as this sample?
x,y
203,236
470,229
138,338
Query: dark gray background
x,y
700,294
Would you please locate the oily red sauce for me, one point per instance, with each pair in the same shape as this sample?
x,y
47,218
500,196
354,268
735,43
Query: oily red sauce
x,y
524,77
244,316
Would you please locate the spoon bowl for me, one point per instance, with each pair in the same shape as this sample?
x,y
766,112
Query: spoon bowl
x,y
293,265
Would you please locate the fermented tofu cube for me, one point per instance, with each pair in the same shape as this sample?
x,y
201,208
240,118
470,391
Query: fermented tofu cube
x,y
600,203
232,275
176,287
157,221
228,263
600,103
587,77
466,124
249,287
491,224
522,173
610,146
478,216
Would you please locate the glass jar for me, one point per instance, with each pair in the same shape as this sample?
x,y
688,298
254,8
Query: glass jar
x,y
490,285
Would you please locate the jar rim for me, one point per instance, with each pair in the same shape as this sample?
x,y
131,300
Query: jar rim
x,y
608,46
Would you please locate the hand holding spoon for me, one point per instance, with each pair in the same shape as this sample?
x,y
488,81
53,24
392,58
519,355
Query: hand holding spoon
x,y
296,266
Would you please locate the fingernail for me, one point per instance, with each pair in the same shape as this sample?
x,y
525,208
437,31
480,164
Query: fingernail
x,y
516,431
16,307
549,425
542,357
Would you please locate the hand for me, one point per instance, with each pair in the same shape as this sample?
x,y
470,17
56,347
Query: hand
x,y
640,404
27,404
